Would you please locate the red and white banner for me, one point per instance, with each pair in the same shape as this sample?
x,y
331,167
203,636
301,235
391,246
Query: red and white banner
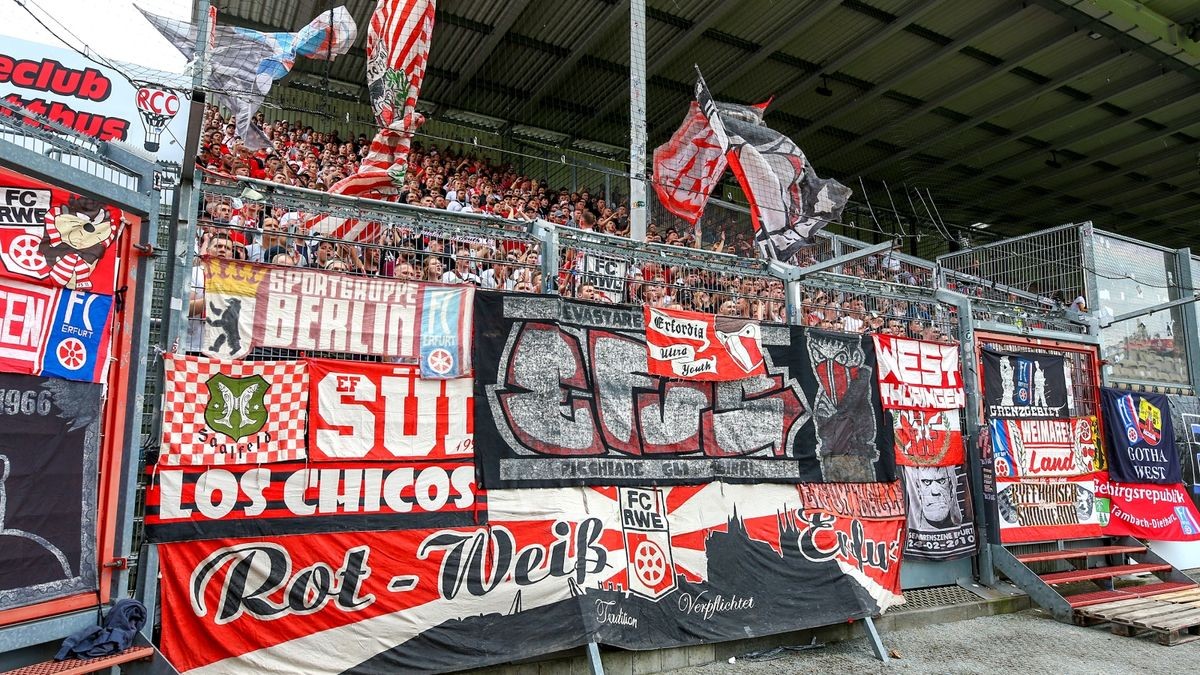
x,y
54,332
1047,509
204,502
53,237
232,412
1147,511
639,568
928,437
915,374
387,412
699,346
249,305
1037,448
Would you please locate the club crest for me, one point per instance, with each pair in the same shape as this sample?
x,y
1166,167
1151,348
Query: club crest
x,y
236,405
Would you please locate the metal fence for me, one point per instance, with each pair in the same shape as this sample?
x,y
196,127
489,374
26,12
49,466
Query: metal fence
x,y
1047,265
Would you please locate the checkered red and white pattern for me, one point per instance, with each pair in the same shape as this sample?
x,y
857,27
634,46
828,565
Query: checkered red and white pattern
x,y
186,398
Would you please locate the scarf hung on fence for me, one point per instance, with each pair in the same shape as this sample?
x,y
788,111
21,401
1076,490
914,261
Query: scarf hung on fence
x,y
244,63
397,52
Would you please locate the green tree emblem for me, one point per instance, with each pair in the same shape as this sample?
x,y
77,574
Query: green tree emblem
x,y
235,404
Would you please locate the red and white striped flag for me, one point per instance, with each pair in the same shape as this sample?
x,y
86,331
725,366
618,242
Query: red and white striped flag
x,y
397,52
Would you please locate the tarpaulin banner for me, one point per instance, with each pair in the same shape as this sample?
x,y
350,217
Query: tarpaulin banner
x,y
53,331
251,306
232,412
1141,439
49,449
698,346
1147,511
606,275
198,502
928,437
941,521
637,568
1025,385
564,397
387,412
53,237
1043,448
1185,420
918,375
1047,509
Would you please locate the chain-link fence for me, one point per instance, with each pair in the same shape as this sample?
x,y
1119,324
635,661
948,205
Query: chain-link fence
x,y
1047,265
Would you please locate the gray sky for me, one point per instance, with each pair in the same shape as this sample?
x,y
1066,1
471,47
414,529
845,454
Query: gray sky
x,y
112,28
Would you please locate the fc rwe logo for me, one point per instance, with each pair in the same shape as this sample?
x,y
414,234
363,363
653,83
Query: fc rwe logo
x,y
650,566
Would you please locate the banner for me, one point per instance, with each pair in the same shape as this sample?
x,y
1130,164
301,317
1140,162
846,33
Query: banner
x,y
1043,448
607,276
387,412
1025,385
636,568
70,88
199,502
1147,511
53,237
49,452
564,397
1185,420
918,375
53,331
928,437
1141,440
1047,509
941,520
261,306
232,412
698,346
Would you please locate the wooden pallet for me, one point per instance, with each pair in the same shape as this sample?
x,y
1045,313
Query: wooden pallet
x,y
1173,618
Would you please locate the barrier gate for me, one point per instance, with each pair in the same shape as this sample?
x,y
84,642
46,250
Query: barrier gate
x,y
68,499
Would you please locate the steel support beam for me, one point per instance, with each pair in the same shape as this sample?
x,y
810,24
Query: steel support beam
x,y
50,170
789,272
973,425
638,186
1139,14
789,29
966,84
664,58
1087,67
617,13
1019,132
1148,136
802,85
482,54
995,20
1191,324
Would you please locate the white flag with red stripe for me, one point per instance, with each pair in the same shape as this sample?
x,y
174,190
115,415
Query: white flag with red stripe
x,y
397,52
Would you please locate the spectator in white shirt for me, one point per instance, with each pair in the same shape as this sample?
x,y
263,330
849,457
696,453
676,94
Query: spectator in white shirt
x,y
461,273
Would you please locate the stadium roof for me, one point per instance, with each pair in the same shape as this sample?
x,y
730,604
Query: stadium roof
x,y
1018,114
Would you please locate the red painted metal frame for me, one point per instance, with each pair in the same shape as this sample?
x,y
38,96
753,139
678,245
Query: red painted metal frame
x,y
1093,351
117,408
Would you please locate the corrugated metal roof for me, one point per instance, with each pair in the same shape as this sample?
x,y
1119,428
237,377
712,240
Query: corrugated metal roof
x,y
968,99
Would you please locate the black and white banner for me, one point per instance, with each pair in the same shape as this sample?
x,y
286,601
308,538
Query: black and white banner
x,y
941,522
1025,385
564,396
49,445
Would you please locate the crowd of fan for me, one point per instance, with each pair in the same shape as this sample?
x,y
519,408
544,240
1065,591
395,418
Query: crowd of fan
x,y
442,179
